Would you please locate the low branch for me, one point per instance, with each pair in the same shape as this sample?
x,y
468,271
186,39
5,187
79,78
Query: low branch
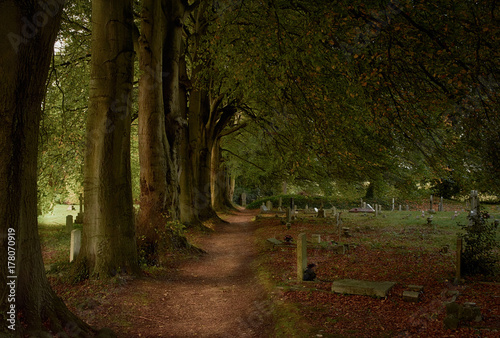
x,y
232,130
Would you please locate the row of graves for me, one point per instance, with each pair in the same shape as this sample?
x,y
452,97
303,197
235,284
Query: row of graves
x,y
305,270
76,234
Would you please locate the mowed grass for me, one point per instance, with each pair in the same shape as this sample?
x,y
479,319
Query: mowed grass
x,y
54,238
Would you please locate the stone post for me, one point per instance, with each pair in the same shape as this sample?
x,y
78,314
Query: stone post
x,y
440,208
69,223
392,205
301,256
76,240
458,274
474,200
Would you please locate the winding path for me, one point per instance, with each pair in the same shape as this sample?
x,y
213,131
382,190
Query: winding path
x,y
216,295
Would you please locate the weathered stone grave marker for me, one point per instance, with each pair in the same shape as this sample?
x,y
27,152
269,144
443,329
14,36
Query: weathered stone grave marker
x,y
69,223
440,207
243,200
76,241
301,256
269,205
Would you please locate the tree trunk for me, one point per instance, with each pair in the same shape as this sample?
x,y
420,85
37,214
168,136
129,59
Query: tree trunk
x,y
221,181
108,241
174,110
29,30
153,143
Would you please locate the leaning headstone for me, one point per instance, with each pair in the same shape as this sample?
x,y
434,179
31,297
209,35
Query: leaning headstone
x,y
243,200
301,256
76,240
69,223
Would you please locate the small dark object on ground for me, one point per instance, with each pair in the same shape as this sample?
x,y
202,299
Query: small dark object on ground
x,y
309,274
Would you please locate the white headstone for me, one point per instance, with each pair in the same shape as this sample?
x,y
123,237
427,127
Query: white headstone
x,y
76,242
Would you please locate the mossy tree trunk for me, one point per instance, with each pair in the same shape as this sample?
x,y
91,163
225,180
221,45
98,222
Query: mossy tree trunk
x,y
28,32
108,240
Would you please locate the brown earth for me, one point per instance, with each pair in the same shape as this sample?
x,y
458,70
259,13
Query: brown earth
x,y
216,295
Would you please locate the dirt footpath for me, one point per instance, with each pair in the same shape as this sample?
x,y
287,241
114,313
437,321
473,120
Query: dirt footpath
x,y
214,296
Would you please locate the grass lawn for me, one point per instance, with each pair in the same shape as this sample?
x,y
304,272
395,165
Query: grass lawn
x,y
396,246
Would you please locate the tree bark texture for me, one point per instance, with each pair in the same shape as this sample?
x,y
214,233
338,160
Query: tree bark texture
x,y
108,241
27,36
153,143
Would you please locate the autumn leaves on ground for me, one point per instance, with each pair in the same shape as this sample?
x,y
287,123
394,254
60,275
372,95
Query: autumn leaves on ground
x,y
245,287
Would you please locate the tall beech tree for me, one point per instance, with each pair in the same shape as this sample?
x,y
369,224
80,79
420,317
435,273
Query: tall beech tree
x,y
27,36
108,241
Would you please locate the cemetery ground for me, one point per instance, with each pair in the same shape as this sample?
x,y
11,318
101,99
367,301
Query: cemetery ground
x,y
247,286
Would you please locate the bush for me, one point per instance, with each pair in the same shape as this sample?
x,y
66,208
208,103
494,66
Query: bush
x,y
479,238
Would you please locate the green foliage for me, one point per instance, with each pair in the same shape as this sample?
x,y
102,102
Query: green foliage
x,y
479,256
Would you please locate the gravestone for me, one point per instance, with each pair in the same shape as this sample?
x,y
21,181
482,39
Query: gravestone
x,y
407,207
288,215
76,242
474,200
361,205
400,207
359,287
431,206
263,207
292,204
376,210
280,201
269,205
458,273
69,223
306,208
440,207
243,200
79,217
301,256
392,205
